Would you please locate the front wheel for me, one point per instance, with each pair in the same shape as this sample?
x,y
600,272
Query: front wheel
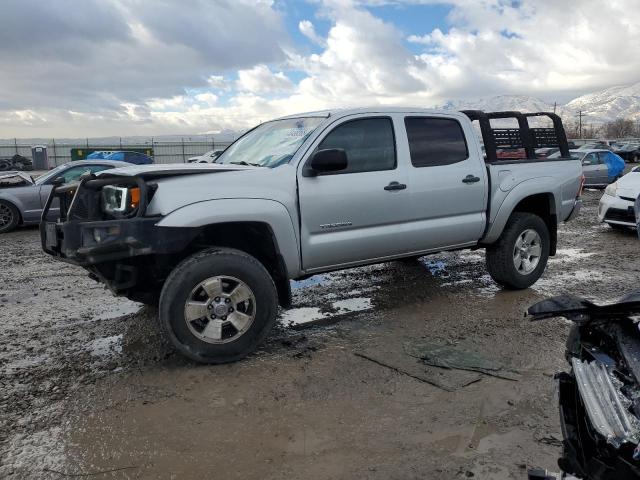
x,y
9,217
218,305
520,255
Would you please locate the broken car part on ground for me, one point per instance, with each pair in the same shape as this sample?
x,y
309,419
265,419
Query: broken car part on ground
x,y
600,396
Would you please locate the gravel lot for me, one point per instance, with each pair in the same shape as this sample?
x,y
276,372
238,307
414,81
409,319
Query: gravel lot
x,y
88,388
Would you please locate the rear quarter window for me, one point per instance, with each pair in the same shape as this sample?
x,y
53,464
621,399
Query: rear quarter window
x,y
435,141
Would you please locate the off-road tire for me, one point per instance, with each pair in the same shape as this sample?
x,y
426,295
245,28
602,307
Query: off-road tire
x,y
195,269
500,255
15,216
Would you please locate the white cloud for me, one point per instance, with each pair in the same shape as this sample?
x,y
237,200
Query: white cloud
x,y
309,31
543,48
207,98
260,79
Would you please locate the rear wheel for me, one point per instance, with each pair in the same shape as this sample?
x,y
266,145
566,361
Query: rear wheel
x,y
218,305
519,257
9,217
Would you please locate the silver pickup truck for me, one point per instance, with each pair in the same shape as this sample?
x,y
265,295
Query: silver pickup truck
x,y
216,245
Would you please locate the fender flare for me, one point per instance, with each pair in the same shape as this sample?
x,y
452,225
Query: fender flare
x,y
237,210
521,191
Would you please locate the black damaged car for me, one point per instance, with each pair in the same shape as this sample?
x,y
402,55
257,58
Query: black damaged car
x,y
599,396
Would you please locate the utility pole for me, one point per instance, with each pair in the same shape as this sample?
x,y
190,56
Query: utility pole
x,y
580,123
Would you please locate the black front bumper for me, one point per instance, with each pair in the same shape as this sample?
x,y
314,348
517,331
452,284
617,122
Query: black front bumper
x,y
91,243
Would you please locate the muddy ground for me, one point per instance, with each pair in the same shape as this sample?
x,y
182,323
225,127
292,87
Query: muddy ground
x,y
89,389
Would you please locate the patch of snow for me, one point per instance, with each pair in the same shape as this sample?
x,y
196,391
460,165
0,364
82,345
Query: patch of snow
x,y
571,254
119,309
356,304
302,315
106,346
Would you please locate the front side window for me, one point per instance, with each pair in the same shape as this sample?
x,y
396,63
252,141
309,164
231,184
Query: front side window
x,y
369,144
592,158
435,141
270,144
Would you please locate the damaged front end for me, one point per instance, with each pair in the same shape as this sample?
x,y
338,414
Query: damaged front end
x,y
600,395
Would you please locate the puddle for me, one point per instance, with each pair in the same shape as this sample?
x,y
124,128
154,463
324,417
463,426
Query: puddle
x,y
310,282
437,268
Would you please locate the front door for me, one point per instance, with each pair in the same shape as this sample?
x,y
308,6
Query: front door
x,y
354,214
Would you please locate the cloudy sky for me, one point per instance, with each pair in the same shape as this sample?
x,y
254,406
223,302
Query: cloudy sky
x,y
148,67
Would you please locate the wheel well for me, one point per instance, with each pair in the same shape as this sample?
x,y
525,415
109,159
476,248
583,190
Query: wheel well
x,y
544,206
256,239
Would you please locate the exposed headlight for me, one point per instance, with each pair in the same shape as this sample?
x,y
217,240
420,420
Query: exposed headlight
x,y
119,200
611,189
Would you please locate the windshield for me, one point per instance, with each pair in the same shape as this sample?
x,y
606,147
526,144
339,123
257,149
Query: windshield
x,y
271,144
50,174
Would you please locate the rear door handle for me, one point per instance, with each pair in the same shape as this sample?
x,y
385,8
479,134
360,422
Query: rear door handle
x,y
395,186
470,179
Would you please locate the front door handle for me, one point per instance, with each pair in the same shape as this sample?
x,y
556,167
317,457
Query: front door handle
x,y
395,186
470,179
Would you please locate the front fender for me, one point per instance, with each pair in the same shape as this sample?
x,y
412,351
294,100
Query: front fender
x,y
15,200
271,212
504,203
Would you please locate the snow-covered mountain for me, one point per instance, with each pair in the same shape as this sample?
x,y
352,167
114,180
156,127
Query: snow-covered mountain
x,y
522,103
609,104
598,107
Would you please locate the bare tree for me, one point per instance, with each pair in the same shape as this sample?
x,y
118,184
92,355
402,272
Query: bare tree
x,y
620,128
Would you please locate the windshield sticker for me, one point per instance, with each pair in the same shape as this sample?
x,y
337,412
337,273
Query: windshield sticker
x,y
298,131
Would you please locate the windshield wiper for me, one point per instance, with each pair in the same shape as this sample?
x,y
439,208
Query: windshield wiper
x,y
242,162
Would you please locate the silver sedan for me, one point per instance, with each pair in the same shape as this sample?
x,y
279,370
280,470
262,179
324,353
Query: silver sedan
x,y
22,198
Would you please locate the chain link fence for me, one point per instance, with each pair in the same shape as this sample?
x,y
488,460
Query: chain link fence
x,y
163,152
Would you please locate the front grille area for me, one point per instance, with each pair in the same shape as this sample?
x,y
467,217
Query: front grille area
x,y
620,215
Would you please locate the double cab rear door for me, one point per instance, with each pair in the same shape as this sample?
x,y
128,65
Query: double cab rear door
x,y
414,183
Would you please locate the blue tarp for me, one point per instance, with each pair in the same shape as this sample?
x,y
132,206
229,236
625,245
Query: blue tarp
x,y
615,165
130,157
98,155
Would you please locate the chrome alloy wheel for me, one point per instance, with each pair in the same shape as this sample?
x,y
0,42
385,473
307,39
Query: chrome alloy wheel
x,y
220,309
527,252
6,215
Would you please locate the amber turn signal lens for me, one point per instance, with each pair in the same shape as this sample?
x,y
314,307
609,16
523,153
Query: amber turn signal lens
x,y
134,194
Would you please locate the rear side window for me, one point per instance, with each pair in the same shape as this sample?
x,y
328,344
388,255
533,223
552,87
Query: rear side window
x,y
435,141
369,144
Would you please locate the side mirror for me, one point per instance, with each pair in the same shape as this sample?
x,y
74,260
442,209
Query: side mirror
x,y
56,182
586,162
329,160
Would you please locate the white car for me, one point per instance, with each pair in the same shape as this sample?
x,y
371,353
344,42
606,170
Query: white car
x,y
209,157
616,205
